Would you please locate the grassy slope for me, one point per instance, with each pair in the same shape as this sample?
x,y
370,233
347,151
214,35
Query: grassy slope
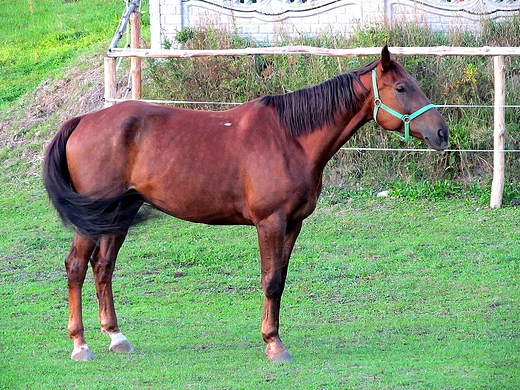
x,y
39,37
58,49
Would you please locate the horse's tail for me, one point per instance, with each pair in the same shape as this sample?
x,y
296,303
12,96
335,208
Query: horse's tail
x,y
92,217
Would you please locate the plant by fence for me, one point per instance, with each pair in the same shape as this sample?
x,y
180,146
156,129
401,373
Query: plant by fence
x,y
464,84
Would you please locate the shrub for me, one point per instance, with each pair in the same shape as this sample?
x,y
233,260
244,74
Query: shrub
x,y
452,80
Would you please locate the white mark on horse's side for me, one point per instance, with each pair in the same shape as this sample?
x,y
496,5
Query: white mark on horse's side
x,y
227,124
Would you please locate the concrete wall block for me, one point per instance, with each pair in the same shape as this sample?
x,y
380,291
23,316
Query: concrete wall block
x,y
315,16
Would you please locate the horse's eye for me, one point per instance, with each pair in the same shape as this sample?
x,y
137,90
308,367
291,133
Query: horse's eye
x,y
400,88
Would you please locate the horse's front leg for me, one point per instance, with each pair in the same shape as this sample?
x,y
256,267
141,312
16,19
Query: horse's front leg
x,y
76,264
276,241
103,263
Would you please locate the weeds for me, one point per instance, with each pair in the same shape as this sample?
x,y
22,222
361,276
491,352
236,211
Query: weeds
x,y
445,80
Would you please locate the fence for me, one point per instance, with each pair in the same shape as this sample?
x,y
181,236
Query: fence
x,y
136,54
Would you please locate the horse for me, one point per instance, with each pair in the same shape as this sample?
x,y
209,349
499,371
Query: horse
x,y
260,163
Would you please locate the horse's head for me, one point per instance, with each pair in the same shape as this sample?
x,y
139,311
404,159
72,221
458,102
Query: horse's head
x,y
399,104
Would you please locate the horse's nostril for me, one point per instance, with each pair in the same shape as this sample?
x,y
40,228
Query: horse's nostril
x,y
440,134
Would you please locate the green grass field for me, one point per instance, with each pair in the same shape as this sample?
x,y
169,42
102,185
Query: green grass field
x,y
403,292
40,37
382,294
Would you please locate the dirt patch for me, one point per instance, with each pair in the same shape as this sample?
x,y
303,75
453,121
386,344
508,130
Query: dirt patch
x,y
27,125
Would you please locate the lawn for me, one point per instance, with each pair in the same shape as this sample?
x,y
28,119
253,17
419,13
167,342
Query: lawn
x,y
382,293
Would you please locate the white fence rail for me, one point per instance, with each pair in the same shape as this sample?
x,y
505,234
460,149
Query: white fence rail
x,y
498,54
364,51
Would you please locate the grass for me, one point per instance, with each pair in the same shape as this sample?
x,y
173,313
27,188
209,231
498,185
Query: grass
x,y
417,290
382,293
40,37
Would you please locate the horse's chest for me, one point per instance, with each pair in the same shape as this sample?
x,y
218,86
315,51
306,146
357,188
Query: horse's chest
x,y
302,202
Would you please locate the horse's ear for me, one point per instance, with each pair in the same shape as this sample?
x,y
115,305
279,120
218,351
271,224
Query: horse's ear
x,y
386,57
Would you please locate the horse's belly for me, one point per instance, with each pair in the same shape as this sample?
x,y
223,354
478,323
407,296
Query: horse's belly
x,y
205,208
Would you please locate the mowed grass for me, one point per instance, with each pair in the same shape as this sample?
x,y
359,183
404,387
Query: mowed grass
x,y
382,294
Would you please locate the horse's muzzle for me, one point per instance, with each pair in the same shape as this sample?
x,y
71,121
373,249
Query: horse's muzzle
x,y
441,142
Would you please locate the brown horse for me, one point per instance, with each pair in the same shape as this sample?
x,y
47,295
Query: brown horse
x,y
257,164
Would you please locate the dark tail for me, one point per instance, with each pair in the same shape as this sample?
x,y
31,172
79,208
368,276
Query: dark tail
x,y
92,217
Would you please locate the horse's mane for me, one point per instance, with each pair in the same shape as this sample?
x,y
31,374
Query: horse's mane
x,y
308,109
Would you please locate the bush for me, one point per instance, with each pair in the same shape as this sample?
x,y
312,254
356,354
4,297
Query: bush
x,y
445,80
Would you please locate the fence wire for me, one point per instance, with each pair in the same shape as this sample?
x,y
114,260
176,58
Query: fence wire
x,y
354,148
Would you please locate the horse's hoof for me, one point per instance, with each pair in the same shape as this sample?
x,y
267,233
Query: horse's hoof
x,y
281,357
119,343
82,354
122,346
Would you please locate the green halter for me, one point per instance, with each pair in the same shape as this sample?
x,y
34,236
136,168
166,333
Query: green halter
x,y
404,117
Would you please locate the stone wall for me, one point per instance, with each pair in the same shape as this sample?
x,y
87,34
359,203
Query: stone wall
x,y
266,20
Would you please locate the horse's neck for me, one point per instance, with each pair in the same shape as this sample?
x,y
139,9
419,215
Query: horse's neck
x,y
321,145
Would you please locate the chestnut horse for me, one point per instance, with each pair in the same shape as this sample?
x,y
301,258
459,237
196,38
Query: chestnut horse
x,y
259,164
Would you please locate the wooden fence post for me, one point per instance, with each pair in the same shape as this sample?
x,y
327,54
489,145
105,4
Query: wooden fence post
x,y
110,81
497,187
135,62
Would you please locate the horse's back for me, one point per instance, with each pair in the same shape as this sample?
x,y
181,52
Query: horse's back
x,y
196,165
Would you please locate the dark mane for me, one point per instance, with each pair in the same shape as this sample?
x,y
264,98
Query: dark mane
x,y
308,109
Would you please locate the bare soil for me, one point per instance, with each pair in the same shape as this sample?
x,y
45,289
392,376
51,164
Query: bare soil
x,y
28,125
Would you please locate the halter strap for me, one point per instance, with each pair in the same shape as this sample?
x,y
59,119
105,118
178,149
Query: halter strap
x,y
404,117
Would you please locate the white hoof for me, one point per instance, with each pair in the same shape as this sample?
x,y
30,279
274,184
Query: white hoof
x,y
119,343
82,353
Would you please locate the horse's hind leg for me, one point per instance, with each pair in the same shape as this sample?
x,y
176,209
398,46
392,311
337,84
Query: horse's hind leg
x,y
76,265
103,262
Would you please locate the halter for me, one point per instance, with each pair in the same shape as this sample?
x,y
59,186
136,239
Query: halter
x,y
404,117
